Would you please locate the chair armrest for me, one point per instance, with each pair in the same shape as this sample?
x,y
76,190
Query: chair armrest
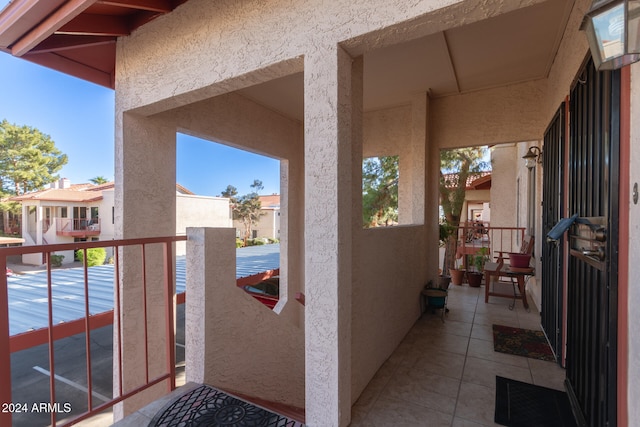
x,y
492,267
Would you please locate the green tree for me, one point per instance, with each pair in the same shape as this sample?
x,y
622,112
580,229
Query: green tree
x,y
380,191
99,180
456,166
247,208
29,159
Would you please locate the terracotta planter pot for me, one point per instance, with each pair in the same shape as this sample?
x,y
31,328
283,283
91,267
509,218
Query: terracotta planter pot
x,y
519,260
443,282
457,276
474,279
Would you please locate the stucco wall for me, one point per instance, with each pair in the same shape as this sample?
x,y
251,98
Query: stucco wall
x,y
505,114
504,186
232,340
386,132
389,270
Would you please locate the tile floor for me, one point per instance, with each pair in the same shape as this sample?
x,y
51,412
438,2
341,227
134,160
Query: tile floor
x,y
443,374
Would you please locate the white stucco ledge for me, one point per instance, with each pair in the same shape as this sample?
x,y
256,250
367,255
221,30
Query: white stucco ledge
x,y
233,342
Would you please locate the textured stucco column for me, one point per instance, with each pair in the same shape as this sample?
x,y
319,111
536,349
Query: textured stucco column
x,y
328,235
211,259
145,206
411,197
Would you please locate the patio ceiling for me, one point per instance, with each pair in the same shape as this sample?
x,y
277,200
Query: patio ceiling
x,y
78,37
511,48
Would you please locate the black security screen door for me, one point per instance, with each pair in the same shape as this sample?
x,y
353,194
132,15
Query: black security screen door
x,y
552,208
592,286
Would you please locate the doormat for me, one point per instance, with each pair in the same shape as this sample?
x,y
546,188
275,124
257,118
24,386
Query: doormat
x,y
521,342
207,407
520,404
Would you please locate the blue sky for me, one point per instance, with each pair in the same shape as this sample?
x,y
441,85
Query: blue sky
x,y
79,117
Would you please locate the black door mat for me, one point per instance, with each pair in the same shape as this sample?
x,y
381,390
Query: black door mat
x,y
520,404
207,407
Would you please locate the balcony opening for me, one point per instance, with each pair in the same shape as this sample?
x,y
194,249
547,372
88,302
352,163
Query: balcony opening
x,y
380,181
238,189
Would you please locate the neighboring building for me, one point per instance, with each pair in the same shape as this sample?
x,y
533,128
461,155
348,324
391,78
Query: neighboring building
x,y
268,226
477,206
67,213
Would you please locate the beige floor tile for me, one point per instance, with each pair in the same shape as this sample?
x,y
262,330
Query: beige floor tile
x,y
482,332
526,321
134,420
434,326
422,387
476,403
483,349
460,422
484,372
459,314
547,374
358,416
497,317
441,363
452,343
376,386
390,412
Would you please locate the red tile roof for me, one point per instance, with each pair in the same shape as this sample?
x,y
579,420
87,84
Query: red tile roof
x,y
270,201
86,192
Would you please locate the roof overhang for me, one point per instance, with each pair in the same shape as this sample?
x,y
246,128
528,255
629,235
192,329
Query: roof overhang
x,y
76,37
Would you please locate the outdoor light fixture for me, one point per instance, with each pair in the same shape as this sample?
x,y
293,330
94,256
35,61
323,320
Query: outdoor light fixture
x,y
613,32
531,158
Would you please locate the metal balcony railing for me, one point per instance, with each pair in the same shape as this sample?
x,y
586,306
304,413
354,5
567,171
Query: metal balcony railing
x,y
77,226
475,235
88,323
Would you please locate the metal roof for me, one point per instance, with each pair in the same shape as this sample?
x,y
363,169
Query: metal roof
x,y
28,292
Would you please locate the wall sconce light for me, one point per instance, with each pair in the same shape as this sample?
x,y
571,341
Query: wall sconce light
x,y
613,32
531,158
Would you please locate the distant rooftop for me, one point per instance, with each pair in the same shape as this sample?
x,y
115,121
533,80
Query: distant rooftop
x,y
63,191
270,201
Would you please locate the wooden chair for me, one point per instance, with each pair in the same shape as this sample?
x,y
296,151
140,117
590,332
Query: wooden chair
x,y
498,273
526,248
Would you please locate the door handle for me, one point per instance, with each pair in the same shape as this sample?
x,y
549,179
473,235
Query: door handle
x,y
598,253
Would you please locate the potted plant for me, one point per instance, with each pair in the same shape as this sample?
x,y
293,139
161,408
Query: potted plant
x,y
457,273
480,257
446,231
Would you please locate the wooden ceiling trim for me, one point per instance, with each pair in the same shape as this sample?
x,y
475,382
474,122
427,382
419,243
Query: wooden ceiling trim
x,y
39,33
158,6
140,18
96,25
57,43
73,68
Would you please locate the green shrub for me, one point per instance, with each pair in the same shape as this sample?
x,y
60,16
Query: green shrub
x,y
273,240
239,243
56,260
255,242
95,256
